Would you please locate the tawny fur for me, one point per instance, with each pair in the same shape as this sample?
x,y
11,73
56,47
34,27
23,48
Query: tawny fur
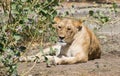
x,y
81,43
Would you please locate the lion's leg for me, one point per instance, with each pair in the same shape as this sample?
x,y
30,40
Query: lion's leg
x,y
40,55
70,60
28,58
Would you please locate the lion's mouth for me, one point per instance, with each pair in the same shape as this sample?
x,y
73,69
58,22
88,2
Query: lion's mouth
x,y
61,41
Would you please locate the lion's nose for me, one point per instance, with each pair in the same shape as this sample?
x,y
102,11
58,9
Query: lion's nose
x,y
60,37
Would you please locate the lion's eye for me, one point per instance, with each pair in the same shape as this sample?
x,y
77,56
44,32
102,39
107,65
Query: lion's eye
x,y
59,27
68,28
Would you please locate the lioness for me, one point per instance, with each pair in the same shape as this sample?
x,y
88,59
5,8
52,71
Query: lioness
x,y
76,43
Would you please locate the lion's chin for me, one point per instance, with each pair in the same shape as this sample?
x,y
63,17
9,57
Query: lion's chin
x,y
62,42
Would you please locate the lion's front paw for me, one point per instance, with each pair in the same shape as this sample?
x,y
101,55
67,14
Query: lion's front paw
x,y
57,60
53,61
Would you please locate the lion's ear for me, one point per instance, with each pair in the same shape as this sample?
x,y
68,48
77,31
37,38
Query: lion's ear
x,y
79,28
57,19
78,24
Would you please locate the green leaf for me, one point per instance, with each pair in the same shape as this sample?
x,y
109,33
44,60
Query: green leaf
x,y
13,6
4,28
19,6
14,12
21,21
73,6
115,5
1,47
26,9
17,37
23,0
104,19
44,18
44,11
67,13
26,19
22,48
91,12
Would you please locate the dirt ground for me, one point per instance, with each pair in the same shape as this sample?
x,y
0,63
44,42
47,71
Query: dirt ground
x,y
107,65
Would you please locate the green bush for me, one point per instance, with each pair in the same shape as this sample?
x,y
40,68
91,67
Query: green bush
x,y
32,22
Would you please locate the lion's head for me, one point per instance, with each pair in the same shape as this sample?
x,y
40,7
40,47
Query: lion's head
x,y
67,28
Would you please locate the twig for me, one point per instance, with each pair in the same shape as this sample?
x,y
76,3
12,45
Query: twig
x,y
24,74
